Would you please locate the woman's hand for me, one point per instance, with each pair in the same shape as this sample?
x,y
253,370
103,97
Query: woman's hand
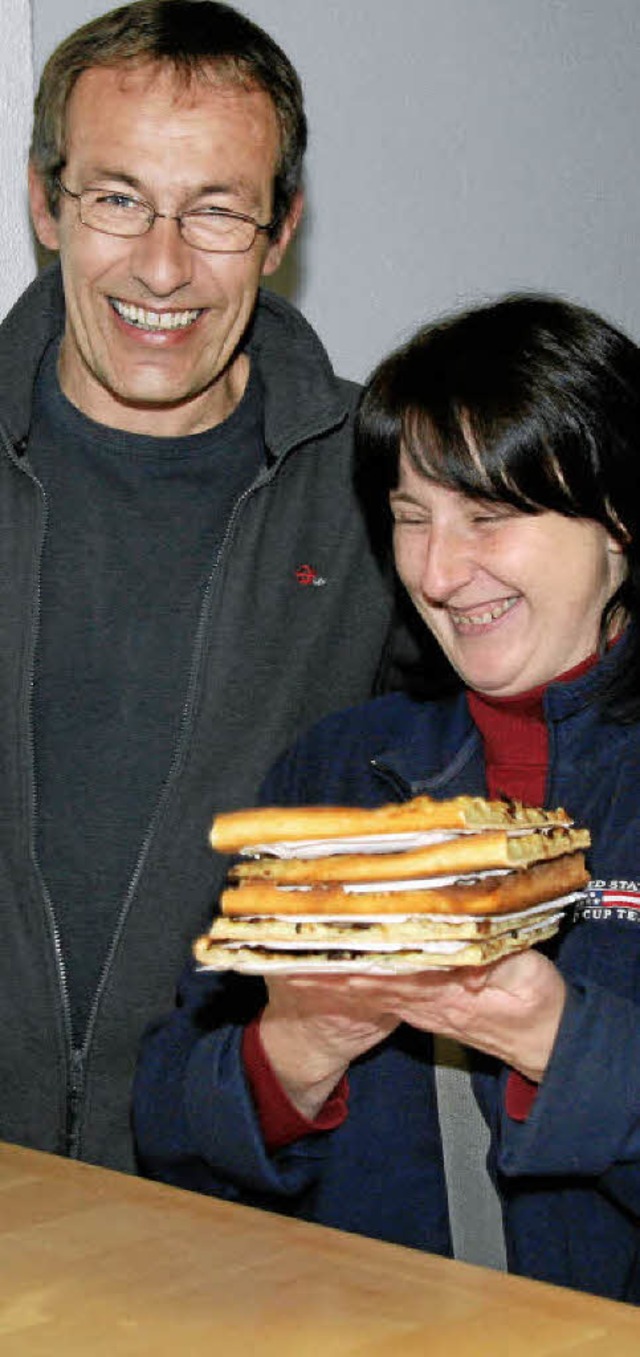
x,y
511,1009
314,1026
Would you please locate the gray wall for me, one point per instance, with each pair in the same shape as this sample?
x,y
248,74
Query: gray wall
x,y
459,148
17,254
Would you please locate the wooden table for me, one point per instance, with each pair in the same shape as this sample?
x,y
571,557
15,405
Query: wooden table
x,y
94,1262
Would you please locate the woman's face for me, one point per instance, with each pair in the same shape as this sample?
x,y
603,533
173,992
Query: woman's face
x,y
514,599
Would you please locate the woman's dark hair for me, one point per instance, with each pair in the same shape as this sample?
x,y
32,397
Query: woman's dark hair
x,y
531,401
198,38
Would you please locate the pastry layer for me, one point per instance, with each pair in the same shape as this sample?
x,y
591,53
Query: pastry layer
x,y
460,855
490,894
261,960
252,829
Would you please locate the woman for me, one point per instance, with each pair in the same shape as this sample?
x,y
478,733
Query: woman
x,y
506,442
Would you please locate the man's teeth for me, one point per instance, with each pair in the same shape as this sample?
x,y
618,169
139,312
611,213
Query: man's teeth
x,y
482,619
154,320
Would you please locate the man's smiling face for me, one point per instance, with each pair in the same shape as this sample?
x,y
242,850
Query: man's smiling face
x,y
153,325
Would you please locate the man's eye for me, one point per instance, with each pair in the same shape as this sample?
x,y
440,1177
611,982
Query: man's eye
x,y
120,201
217,213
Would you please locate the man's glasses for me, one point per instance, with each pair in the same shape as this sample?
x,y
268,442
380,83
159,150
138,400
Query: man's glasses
x,y
206,228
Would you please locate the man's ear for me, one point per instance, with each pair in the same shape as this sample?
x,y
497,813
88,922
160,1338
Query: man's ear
x,y
278,248
44,224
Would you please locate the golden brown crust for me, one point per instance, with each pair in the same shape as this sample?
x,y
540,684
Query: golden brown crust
x,y
499,894
466,853
241,829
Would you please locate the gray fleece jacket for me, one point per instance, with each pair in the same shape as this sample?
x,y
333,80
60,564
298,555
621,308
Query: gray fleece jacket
x,y
294,624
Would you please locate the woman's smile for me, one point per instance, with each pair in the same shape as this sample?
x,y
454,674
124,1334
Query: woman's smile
x,y
481,615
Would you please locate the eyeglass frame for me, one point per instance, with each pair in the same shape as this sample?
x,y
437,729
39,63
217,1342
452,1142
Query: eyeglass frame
x,y
153,214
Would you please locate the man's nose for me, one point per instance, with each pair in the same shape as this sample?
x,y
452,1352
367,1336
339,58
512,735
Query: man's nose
x,y
161,259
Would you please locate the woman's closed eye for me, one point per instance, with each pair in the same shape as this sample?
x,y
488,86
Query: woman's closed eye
x,y
406,518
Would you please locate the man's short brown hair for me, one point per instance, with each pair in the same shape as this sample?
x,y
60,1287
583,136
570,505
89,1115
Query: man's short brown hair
x,y
199,38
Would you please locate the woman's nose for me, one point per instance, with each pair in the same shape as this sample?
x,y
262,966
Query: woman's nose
x,y
446,563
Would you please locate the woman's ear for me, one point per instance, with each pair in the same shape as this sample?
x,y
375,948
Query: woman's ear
x,y
618,563
618,546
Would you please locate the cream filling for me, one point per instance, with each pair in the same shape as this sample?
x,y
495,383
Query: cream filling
x,y
329,945
154,320
376,843
416,884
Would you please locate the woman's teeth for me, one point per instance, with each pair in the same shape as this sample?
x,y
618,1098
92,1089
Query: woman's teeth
x,y
491,614
154,320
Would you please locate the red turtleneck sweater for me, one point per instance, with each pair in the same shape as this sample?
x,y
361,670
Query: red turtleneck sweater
x,y
516,748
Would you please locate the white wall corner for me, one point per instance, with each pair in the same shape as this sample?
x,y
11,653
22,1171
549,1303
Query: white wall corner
x,y
17,252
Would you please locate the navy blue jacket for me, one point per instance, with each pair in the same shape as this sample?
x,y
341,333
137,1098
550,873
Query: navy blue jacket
x,y
569,1176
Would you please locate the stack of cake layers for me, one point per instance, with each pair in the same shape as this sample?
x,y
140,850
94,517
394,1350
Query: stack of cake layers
x,y
404,887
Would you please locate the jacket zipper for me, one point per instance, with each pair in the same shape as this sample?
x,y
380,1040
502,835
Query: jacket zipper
x,y
263,479
393,779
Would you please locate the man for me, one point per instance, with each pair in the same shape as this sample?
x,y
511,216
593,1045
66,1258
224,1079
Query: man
x,y
186,581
